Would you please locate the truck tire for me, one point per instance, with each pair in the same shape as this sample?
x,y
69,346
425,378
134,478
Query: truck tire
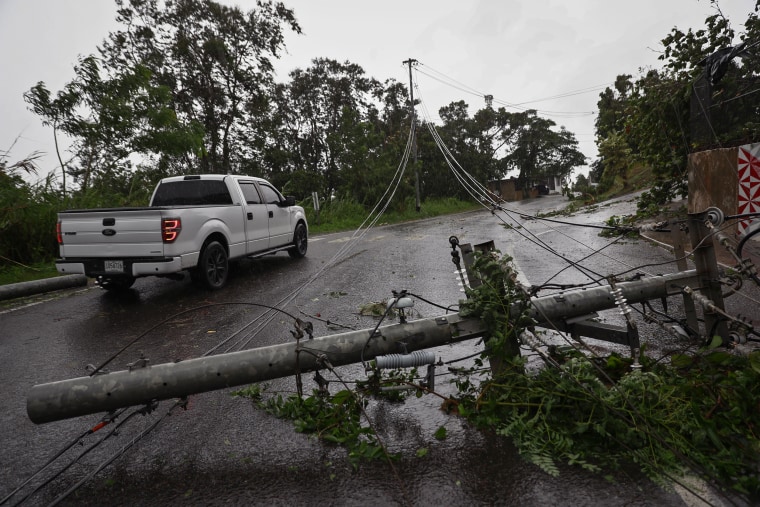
x,y
213,266
300,242
116,283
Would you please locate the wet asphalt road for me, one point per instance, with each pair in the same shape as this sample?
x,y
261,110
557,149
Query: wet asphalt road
x,y
222,450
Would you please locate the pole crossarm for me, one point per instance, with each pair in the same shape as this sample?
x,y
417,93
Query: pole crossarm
x,y
137,386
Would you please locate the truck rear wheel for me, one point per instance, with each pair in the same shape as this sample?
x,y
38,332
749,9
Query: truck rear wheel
x,y
213,266
300,242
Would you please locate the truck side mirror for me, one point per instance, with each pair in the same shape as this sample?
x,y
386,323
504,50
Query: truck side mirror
x,y
289,201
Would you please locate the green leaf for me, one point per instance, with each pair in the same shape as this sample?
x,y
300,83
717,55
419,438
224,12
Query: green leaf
x,y
341,397
681,360
422,452
333,438
440,433
754,360
719,357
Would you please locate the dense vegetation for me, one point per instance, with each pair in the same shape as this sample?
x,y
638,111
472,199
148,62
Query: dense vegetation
x,y
704,97
691,411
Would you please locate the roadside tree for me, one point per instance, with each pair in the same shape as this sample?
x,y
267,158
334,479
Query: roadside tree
x,y
662,117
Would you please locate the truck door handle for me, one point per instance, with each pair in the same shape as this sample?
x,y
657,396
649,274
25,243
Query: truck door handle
x,y
250,216
271,214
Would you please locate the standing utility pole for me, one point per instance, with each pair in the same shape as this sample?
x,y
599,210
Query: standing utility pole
x,y
414,137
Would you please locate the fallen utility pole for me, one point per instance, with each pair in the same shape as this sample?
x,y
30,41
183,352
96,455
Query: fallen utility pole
x,y
137,386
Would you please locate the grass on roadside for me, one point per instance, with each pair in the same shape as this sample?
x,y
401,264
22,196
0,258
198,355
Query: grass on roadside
x,y
341,215
15,273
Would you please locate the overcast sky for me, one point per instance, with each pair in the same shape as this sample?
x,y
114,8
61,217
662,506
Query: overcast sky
x,y
553,56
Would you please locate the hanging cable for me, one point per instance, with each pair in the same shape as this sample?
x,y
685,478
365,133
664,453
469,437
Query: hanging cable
x,y
114,457
481,195
555,275
358,234
446,80
77,440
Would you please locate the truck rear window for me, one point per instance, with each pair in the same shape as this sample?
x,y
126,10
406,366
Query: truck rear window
x,y
192,193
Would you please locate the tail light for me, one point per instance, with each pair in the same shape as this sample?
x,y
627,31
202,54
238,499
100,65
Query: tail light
x,y
58,234
170,228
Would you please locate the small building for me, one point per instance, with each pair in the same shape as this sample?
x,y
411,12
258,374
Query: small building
x,y
509,189
555,184
506,189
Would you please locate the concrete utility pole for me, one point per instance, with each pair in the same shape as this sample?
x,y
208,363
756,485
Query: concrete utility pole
x,y
409,62
138,386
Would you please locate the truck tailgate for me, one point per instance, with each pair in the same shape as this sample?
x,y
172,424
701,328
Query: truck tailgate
x,y
111,234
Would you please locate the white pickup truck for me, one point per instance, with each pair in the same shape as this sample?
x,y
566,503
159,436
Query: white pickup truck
x,y
196,223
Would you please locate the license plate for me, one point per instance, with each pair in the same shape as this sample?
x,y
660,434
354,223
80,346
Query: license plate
x,y
113,266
